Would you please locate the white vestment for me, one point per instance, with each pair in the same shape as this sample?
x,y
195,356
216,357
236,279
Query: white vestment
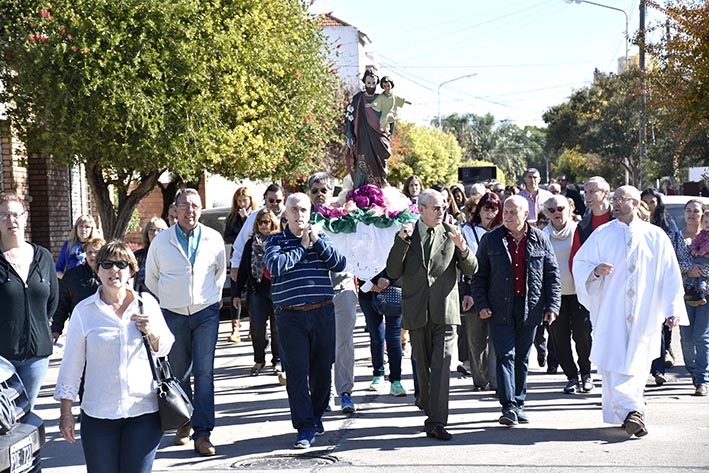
x,y
628,307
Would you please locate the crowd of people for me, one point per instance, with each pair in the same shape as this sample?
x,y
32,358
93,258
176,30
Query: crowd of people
x,y
487,267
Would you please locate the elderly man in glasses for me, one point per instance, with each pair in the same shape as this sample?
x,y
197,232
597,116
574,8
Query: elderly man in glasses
x,y
321,186
185,269
627,276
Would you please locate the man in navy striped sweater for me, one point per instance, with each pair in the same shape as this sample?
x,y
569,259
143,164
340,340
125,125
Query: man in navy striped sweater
x,y
299,261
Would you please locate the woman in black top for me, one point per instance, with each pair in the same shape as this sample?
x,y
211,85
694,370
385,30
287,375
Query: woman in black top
x,y
29,292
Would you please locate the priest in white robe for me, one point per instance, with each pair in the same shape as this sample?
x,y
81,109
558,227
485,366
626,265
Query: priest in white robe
x,y
627,276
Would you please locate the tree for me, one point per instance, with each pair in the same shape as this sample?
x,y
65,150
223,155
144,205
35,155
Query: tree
x,y
506,145
601,119
137,87
428,152
679,79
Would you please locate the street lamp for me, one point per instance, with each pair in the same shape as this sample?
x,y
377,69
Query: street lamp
x,y
439,92
627,66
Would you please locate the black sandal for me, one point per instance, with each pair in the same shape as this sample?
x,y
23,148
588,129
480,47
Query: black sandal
x,y
256,369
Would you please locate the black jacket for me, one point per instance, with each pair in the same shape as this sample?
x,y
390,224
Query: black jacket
x,y
492,285
25,309
245,279
77,284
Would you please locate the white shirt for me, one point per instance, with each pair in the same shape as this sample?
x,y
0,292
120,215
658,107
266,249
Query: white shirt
x,y
629,306
118,380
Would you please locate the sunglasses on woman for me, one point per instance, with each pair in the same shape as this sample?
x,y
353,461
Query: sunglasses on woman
x,y
553,210
108,264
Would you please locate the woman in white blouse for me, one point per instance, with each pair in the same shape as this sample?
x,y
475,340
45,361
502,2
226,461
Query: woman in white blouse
x,y
119,411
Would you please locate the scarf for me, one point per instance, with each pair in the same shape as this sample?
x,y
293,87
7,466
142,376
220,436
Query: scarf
x,y
258,250
562,234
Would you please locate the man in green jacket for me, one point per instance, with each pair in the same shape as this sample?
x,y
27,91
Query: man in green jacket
x,y
427,256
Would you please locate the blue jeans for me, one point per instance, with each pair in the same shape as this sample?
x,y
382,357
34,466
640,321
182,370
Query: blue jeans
x,y
31,372
382,328
192,354
308,344
512,342
695,343
260,312
120,445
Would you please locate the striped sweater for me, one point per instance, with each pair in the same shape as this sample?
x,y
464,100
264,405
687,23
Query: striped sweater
x,y
301,276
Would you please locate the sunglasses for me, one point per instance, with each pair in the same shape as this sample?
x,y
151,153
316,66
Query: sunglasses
x,y
108,264
316,190
264,222
275,201
553,210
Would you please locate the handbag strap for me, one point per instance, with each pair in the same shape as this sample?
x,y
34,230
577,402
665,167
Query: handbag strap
x,y
149,350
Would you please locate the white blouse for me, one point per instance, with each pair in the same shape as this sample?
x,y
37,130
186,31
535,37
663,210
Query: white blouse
x,y
118,380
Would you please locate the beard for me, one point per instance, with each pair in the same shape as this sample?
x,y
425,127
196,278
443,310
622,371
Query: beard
x,y
370,90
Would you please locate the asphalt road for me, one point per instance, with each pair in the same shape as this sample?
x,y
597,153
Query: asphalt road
x,y
566,432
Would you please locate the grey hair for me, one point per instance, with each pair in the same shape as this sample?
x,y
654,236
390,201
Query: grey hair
x,y
556,200
428,195
321,178
519,200
601,183
185,192
296,197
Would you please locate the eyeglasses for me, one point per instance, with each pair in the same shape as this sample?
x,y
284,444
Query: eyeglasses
x,y
618,200
86,227
275,201
553,210
155,230
188,206
436,208
7,217
108,264
491,208
316,190
264,222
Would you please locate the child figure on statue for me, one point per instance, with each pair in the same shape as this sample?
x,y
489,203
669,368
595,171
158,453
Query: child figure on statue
x,y
387,104
697,288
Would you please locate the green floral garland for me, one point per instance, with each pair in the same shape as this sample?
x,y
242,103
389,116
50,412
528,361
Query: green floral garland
x,y
348,223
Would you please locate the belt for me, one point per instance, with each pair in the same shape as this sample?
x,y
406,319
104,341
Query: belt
x,y
303,308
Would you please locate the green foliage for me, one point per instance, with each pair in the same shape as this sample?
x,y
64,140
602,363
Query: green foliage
x,y
430,153
506,145
135,87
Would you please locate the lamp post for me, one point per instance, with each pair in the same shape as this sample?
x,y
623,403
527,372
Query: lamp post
x,y
610,8
439,92
627,67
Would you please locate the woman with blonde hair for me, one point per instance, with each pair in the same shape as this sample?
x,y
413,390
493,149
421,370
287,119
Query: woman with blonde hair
x,y
72,253
255,280
242,205
29,293
151,229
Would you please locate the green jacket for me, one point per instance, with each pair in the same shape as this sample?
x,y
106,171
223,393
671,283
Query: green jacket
x,y
429,292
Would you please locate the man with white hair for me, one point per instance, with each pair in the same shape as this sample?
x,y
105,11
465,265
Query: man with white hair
x,y
427,256
628,277
517,287
300,260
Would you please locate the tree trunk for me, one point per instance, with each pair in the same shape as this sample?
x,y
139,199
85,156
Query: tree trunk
x,y
114,224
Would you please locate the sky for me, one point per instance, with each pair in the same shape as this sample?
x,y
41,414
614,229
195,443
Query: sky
x,y
528,55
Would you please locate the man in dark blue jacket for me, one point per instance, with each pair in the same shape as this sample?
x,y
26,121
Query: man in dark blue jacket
x,y
517,287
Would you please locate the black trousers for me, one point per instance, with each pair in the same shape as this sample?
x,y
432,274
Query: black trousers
x,y
574,322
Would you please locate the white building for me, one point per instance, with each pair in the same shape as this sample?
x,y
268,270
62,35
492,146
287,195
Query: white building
x,y
348,50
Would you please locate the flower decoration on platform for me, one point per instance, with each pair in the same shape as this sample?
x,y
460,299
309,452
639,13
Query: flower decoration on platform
x,y
369,205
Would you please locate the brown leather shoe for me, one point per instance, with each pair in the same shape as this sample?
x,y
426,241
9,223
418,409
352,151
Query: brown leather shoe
x,y
204,447
440,433
182,436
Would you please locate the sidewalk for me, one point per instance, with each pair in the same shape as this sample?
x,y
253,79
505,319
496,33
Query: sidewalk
x,y
566,433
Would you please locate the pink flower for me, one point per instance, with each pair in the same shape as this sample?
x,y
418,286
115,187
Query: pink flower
x,y
32,38
297,74
62,30
44,13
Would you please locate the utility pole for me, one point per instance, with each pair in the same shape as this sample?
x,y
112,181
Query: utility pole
x,y
641,61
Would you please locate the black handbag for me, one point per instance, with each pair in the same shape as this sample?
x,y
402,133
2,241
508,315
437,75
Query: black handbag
x,y
388,302
174,405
